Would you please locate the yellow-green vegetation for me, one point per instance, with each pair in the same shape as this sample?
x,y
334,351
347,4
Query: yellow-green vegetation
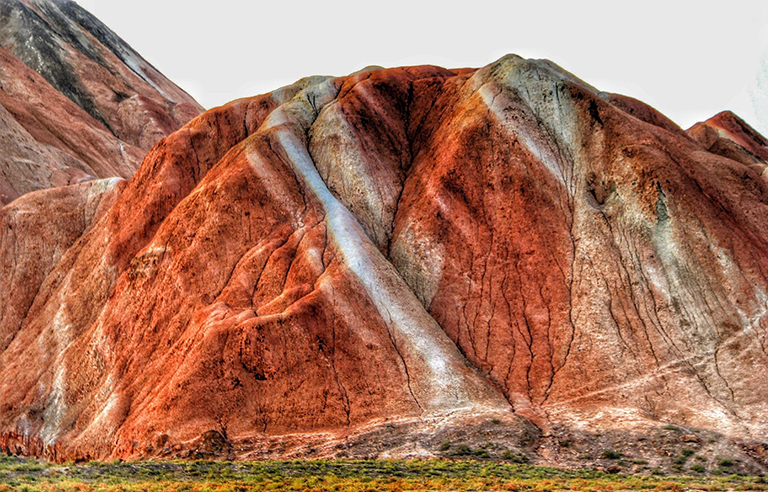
x,y
343,476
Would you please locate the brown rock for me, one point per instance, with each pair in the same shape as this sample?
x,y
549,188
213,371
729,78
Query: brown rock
x,y
690,438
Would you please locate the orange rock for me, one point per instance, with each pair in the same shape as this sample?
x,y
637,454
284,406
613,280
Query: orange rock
x,y
690,438
364,264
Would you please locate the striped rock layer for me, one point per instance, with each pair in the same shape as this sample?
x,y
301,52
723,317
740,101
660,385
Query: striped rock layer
x,y
367,264
76,102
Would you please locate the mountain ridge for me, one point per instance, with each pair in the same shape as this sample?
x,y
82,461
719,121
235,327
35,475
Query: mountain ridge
x,y
115,105
275,277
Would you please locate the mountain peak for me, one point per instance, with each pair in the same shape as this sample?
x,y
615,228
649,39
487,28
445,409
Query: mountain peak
x,y
730,136
375,264
119,105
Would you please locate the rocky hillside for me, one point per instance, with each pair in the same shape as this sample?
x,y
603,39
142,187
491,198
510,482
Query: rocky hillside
x,y
728,135
392,262
76,102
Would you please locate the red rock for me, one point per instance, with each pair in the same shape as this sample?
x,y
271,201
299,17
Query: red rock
x,y
358,264
728,135
38,229
728,125
77,102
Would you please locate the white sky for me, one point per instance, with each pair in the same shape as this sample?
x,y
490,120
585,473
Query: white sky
x,y
688,59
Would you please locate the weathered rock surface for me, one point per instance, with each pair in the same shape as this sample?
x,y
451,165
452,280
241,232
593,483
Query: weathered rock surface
x,y
77,103
375,263
728,135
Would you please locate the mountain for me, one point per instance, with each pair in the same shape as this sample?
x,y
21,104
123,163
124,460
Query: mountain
x,y
390,264
728,135
76,102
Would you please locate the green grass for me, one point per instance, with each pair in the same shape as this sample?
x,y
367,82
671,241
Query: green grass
x,y
337,476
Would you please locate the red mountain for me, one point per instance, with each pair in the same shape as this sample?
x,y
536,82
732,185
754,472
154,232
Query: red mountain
x,y
76,102
379,264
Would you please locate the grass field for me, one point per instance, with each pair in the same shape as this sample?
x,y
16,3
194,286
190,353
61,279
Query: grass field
x,y
18,474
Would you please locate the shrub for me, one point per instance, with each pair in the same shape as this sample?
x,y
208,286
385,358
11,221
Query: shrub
x,y
698,468
725,462
510,455
462,450
445,446
611,454
482,453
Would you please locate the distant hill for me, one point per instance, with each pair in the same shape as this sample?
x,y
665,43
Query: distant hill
x,y
76,102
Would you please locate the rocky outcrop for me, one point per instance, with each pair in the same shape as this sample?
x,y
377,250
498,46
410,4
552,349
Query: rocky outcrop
x,y
38,230
367,264
77,102
728,135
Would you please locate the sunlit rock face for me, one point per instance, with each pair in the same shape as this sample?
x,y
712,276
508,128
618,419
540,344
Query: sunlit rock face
x,y
367,264
728,135
76,102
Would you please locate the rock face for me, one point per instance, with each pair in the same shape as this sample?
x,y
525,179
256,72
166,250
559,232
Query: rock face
x,y
728,135
76,102
371,264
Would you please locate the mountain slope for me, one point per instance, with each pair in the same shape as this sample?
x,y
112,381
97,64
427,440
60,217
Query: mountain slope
x,y
78,103
374,264
728,135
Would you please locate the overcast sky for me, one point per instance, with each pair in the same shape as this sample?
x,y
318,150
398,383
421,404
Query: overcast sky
x,y
688,59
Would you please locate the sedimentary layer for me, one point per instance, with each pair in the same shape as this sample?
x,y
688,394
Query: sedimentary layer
x,y
367,262
76,102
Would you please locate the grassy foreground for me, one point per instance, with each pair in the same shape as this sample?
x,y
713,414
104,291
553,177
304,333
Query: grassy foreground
x,y
320,475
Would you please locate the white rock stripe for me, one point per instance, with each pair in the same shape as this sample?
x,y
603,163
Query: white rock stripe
x,y
440,379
